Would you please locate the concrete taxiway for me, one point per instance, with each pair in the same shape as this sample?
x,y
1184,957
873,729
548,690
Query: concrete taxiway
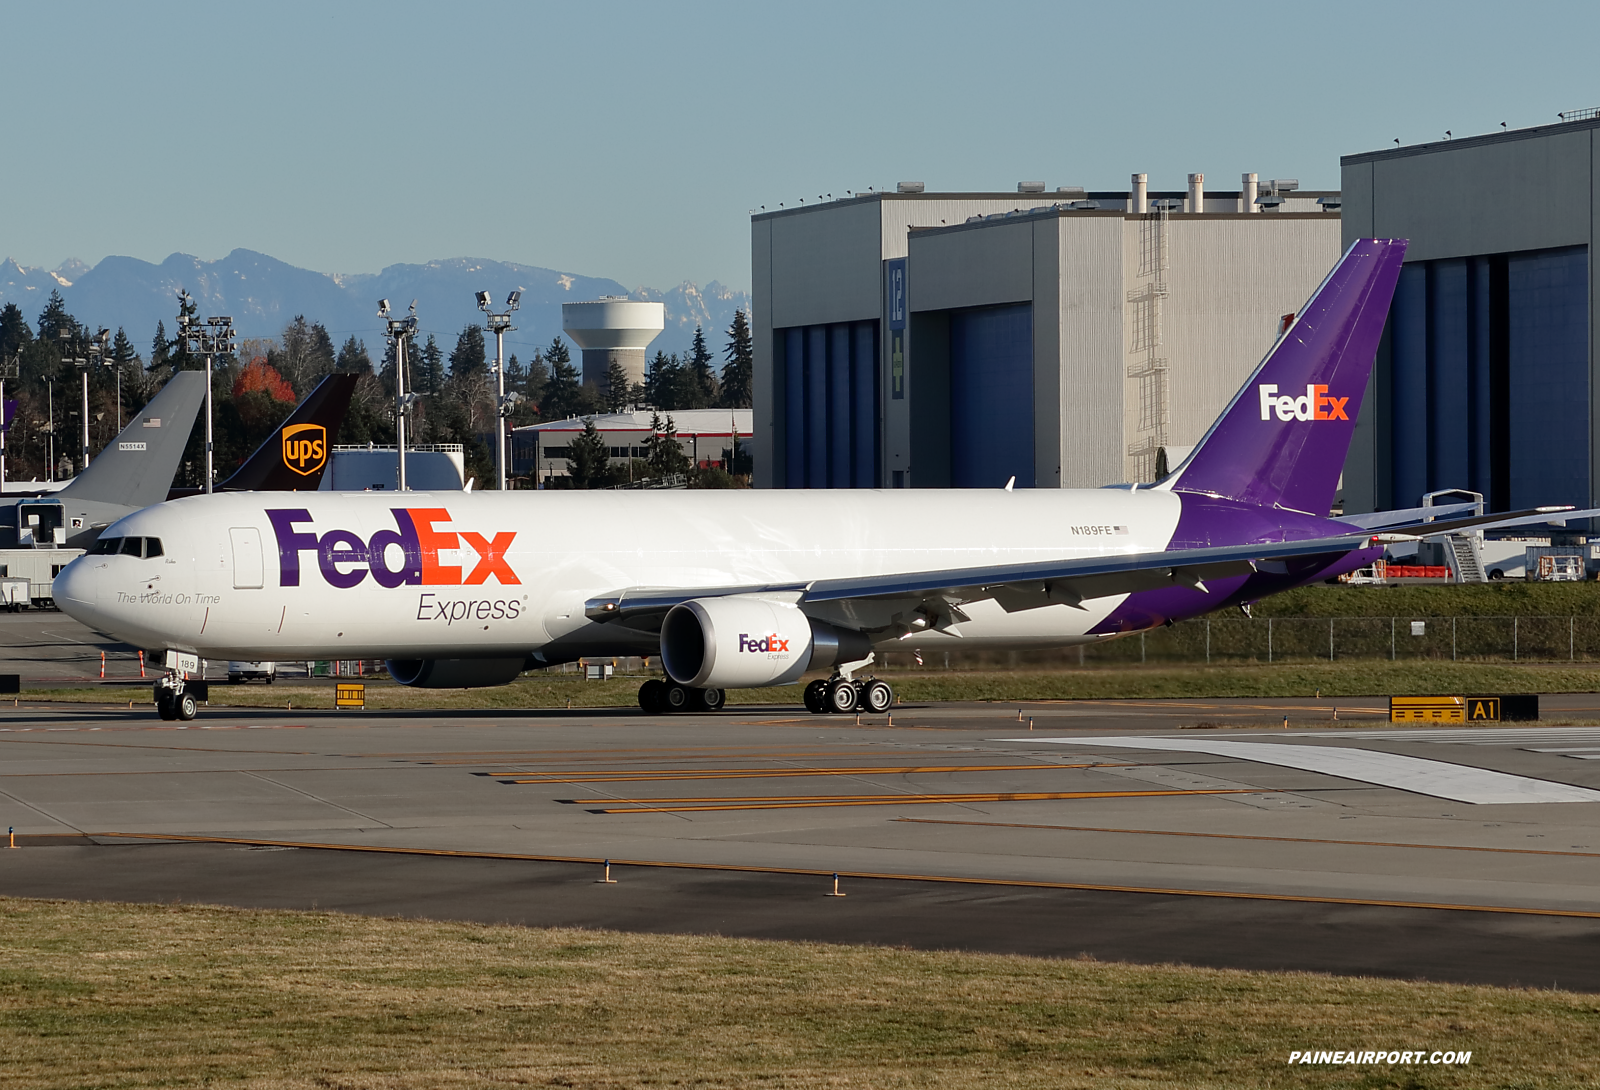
x,y
1145,830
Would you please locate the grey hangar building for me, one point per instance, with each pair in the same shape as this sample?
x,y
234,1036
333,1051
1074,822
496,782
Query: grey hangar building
x,y
1062,338
1485,379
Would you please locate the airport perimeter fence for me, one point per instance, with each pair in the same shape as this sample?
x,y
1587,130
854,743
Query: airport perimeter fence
x,y
1240,640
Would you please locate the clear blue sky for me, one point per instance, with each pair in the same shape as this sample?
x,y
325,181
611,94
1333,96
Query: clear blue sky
x,y
630,140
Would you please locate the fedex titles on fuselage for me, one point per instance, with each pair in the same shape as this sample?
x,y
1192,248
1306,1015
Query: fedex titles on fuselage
x,y
1314,404
345,559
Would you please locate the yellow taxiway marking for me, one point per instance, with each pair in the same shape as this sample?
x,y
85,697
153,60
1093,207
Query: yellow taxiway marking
x,y
766,773
1008,883
1246,836
787,802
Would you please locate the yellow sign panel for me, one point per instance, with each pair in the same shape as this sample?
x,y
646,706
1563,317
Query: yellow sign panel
x,y
350,695
1427,709
305,448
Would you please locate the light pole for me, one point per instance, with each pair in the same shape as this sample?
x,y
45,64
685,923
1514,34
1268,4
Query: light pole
x,y
208,338
400,332
500,325
72,353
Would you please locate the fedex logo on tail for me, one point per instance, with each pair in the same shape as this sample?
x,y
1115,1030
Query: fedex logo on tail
x,y
773,642
408,555
1315,404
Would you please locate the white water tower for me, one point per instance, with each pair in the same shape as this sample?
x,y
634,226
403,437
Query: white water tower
x,y
615,328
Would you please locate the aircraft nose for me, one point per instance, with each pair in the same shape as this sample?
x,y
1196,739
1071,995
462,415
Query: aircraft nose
x,y
76,589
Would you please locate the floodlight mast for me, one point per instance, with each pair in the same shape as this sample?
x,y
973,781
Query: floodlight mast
x,y
72,353
399,333
207,338
500,325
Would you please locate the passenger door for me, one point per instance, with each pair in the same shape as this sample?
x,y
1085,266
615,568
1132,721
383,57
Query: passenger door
x,y
247,566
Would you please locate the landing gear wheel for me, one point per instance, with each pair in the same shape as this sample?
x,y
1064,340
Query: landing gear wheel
x,y
653,696
677,697
842,697
877,697
816,697
187,707
711,700
166,707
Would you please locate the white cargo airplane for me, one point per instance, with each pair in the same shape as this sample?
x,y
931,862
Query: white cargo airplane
x,y
754,588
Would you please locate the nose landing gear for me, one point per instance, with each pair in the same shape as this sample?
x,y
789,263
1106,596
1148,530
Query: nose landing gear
x,y
176,698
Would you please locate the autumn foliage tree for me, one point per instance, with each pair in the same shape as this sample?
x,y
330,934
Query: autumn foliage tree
x,y
260,377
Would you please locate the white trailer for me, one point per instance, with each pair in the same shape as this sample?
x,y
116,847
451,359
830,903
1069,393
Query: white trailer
x,y
39,567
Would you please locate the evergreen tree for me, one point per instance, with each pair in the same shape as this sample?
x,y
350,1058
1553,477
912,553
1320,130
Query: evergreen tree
x,y
324,360
177,356
122,349
589,459
55,324
353,356
14,331
538,378
431,366
699,381
665,455
738,376
662,381
516,375
619,390
160,348
468,356
563,394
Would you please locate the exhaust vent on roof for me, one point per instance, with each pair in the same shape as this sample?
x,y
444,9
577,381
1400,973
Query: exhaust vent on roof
x,y
908,187
1284,185
1030,187
1072,192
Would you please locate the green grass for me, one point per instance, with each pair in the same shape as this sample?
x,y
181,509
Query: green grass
x,y
1507,599
1357,678
109,995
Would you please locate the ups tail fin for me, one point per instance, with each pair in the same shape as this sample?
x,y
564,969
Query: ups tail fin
x,y
294,456
136,467
1283,439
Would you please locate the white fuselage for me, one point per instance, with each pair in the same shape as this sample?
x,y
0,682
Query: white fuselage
x,y
216,594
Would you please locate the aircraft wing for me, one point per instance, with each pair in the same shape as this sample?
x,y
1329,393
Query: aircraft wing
x,y
1411,531
875,602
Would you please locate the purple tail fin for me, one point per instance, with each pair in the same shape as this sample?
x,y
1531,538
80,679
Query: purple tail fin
x,y
1282,441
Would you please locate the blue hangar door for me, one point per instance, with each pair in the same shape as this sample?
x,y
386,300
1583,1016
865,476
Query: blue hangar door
x,y
991,396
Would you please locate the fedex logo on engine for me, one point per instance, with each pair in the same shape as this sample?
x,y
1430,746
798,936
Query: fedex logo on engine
x,y
770,643
1314,405
406,556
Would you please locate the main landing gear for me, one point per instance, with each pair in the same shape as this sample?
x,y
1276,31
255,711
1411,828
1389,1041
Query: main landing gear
x,y
658,697
842,693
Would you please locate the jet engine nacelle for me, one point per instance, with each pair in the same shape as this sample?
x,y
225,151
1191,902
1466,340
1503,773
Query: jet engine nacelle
x,y
744,641
454,673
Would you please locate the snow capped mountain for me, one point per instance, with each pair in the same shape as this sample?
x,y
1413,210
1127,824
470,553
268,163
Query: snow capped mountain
x,y
262,294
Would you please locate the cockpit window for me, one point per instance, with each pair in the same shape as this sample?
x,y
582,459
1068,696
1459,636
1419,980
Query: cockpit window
x,y
145,547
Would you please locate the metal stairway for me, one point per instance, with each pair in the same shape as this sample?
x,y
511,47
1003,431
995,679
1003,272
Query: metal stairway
x,y
1467,562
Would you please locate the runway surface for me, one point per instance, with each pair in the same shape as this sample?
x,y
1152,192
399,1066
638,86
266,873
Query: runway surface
x,y
950,825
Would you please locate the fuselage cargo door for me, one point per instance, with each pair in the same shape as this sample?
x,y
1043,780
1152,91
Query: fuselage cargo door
x,y
246,557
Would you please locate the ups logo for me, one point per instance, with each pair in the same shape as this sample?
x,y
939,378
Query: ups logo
x,y
305,448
